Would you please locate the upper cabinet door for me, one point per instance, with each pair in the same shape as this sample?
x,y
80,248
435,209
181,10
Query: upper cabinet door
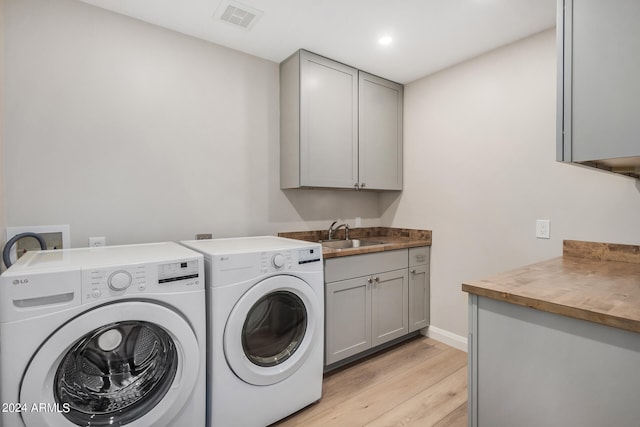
x,y
380,133
328,123
598,110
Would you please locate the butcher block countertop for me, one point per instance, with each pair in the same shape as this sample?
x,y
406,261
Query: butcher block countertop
x,y
390,238
597,282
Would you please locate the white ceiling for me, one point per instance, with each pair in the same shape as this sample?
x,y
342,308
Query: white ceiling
x,y
428,35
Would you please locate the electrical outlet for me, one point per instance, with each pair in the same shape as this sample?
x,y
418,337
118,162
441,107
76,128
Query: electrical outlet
x,y
543,229
204,236
95,242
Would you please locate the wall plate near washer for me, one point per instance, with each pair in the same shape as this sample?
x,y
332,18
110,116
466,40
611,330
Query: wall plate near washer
x,y
56,237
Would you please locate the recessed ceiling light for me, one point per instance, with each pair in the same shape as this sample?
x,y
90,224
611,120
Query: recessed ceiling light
x,y
386,40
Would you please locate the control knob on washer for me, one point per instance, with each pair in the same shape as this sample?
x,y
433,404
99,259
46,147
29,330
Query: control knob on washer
x,y
278,260
119,280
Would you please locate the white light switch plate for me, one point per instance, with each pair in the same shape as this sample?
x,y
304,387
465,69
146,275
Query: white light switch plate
x,y
95,242
543,229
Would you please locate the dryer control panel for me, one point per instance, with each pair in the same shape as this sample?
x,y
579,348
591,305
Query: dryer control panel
x,y
273,261
116,281
308,255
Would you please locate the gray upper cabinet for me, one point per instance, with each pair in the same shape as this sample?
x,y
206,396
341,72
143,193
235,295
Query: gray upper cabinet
x,y
339,128
598,108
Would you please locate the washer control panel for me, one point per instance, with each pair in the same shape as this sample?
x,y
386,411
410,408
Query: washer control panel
x,y
119,280
178,271
103,283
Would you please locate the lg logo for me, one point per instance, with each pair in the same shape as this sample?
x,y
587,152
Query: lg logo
x,y
21,281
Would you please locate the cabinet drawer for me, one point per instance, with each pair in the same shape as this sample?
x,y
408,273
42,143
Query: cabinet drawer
x,y
348,267
419,256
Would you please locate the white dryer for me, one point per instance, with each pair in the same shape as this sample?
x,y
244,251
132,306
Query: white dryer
x,y
265,302
104,336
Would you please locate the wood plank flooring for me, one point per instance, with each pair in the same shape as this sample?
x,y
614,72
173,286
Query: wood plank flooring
x,y
421,382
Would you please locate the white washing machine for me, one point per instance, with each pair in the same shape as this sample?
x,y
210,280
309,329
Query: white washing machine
x,y
265,302
104,336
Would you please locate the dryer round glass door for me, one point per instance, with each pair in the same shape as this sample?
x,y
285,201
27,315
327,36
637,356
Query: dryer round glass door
x,y
272,329
101,370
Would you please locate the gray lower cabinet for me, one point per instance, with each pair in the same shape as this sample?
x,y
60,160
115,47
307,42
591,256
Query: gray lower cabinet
x,y
374,298
530,368
348,318
419,288
365,312
389,306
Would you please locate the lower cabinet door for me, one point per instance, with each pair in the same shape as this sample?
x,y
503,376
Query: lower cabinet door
x,y
418,297
348,318
389,300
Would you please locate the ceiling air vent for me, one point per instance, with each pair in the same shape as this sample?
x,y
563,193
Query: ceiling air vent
x,y
238,14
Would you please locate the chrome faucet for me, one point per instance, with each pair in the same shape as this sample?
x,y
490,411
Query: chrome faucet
x,y
332,230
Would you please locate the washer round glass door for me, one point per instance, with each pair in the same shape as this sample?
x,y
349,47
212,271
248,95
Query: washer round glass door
x,y
100,370
271,329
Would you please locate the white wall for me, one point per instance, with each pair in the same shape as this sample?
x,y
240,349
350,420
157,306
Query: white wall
x,y
480,169
2,204
137,133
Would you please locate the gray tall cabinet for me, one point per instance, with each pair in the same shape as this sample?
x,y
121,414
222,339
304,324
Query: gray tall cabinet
x,y
598,91
340,127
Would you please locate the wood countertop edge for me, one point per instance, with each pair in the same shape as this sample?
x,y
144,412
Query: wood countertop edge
x,y
328,253
391,239
551,307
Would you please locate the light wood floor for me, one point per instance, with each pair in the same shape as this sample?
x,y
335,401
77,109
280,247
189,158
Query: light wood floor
x,y
418,383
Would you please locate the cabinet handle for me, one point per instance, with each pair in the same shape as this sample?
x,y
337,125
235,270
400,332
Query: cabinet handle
x,y
413,272
369,280
362,184
356,185
377,279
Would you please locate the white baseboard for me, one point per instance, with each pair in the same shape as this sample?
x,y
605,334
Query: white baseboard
x,y
448,338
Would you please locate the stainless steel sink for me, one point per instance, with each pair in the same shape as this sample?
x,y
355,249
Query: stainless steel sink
x,y
349,244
